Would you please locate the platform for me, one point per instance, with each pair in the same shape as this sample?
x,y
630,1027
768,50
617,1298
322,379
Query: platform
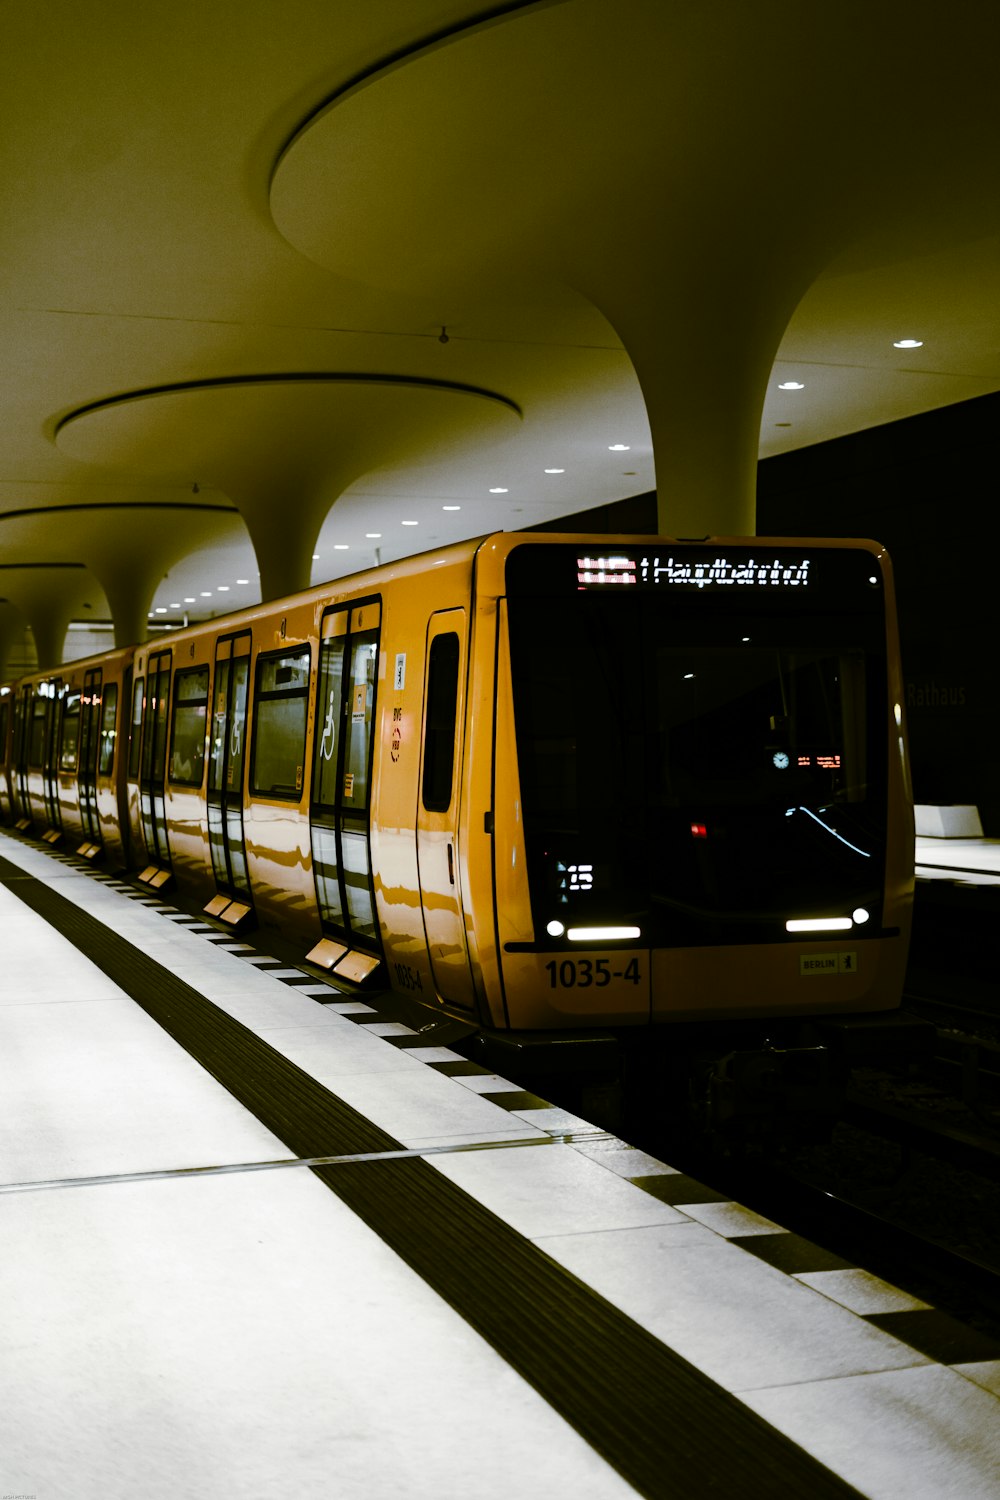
x,y
259,1240
969,861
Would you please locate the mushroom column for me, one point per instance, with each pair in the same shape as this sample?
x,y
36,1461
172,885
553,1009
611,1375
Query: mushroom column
x,y
126,544
691,168
49,595
282,446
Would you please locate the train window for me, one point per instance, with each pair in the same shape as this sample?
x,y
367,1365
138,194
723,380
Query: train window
x,y
187,743
328,714
361,708
69,740
36,732
109,714
439,732
135,735
279,736
161,699
357,883
327,873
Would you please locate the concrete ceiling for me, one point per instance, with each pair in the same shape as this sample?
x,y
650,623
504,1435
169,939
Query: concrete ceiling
x,y
297,277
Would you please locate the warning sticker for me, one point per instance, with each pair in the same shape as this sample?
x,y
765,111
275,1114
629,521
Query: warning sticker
x,y
813,964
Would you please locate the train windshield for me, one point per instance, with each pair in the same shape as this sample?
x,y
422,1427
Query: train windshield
x,y
701,759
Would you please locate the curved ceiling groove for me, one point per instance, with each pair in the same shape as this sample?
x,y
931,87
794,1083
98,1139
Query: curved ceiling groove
x,y
492,16
50,510
303,377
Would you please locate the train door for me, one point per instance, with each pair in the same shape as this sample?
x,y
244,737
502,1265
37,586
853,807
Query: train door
x,y
153,760
22,736
5,802
90,722
437,809
57,707
225,769
341,790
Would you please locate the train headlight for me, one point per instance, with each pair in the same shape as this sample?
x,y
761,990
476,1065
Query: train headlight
x,y
860,915
555,929
601,934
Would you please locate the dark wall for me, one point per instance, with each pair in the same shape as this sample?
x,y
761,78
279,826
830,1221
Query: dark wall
x,y
927,487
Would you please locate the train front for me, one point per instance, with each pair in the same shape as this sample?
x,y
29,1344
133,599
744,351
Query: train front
x,y
703,824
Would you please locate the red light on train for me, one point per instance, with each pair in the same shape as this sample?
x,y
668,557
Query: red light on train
x,y
699,831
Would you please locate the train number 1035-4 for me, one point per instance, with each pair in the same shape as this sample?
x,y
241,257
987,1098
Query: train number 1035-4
x,y
578,973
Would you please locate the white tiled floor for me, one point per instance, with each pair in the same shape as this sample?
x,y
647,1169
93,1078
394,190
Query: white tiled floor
x,y
896,1434
243,1335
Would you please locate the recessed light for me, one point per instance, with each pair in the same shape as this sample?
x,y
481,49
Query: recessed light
x,y
242,580
206,593
908,343
160,609
499,491
373,536
175,606
451,507
189,601
341,546
619,447
555,471
411,523
791,385
223,588
315,557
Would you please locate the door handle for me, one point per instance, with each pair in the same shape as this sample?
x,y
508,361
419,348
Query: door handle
x,y
451,864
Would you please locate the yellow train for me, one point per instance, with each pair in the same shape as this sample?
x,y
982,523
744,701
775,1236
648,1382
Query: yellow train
x,y
566,788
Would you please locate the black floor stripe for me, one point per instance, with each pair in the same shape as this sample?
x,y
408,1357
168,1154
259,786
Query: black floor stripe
x,y
677,1187
938,1335
790,1253
666,1427
517,1099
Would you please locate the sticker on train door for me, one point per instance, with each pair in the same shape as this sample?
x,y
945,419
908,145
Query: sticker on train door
x,y
360,702
399,681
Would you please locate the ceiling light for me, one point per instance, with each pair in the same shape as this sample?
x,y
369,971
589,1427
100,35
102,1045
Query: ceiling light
x,y
451,507
791,385
189,601
315,557
499,491
619,447
340,546
206,593
223,588
160,610
239,580
175,606
555,471
373,536
411,523
908,343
